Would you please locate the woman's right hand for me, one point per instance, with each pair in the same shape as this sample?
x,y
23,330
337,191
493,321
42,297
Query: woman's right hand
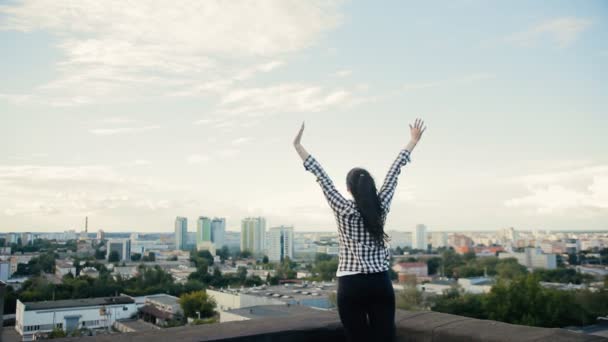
x,y
297,143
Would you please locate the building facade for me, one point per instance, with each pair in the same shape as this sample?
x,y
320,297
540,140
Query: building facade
x,y
33,319
420,237
532,258
280,243
218,231
203,230
181,232
122,247
253,231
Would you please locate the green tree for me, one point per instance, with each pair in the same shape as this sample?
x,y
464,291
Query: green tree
x,y
433,264
245,254
57,333
409,298
241,273
135,257
265,259
197,302
510,269
223,253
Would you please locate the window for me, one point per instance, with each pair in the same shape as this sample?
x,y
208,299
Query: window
x,y
124,308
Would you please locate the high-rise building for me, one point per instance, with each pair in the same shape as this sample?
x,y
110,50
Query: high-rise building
x,y
218,231
420,238
203,230
181,232
122,247
439,239
280,243
101,235
253,230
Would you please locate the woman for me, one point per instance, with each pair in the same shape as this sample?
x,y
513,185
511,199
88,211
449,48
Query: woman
x,y
366,301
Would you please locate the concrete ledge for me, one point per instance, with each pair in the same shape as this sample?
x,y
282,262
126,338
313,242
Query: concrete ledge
x,y
325,326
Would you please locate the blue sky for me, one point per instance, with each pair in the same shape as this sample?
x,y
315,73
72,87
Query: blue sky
x,y
135,115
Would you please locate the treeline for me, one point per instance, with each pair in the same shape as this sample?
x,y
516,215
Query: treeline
x,y
149,280
524,301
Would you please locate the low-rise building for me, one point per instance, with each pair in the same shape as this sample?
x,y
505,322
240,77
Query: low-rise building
x,y
532,258
419,269
476,285
160,309
64,267
438,287
34,319
90,272
125,272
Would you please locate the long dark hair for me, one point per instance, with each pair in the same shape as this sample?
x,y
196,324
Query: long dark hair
x,y
363,188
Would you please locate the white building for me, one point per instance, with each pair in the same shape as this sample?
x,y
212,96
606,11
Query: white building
x,y
532,258
143,246
228,300
101,235
476,285
206,246
35,318
253,231
280,243
64,267
439,239
400,239
122,247
420,237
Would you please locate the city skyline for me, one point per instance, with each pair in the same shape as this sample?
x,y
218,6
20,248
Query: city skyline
x,y
133,120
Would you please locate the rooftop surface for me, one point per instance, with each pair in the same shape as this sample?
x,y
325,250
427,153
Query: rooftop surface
x,y
164,299
74,303
270,311
324,326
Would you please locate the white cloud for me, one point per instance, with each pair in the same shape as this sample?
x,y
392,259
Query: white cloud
x,y
563,31
283,98
38,191
180,48
116,121
241,140
122,130
462,80
584,188
141,162
197,159
343,73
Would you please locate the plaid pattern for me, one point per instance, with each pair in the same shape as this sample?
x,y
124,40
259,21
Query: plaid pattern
x,y
358,251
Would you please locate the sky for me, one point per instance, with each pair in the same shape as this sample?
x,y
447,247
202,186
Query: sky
x,y
133,113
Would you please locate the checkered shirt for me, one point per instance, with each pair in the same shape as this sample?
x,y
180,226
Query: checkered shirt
x,y
358,250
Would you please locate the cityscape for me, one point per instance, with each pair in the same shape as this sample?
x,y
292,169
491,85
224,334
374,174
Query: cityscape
x,y
303,170
262,271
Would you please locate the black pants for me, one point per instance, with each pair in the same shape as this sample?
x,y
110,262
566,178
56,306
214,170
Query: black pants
x,y
366,303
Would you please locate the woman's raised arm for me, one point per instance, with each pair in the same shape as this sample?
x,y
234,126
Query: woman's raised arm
x,y
336,201
390,182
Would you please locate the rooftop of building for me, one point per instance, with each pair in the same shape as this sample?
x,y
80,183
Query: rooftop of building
x,y
270,311
325,326
75,303
289,291
164,299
